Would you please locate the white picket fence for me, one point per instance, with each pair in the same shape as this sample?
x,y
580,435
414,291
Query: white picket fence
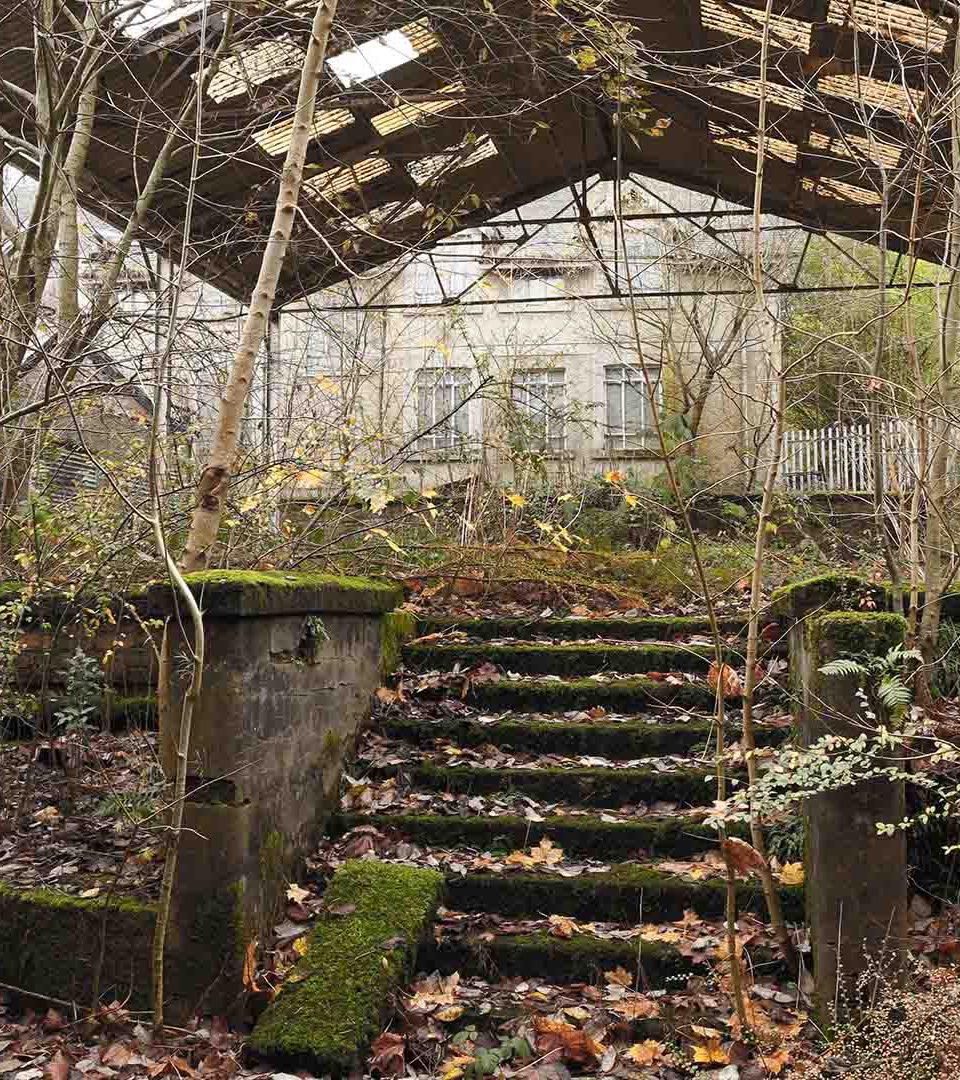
x,y
838,458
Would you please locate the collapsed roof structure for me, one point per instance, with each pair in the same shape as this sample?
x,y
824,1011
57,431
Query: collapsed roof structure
x,y
432,118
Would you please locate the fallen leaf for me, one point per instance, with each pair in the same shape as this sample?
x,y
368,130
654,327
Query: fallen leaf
x,y
743,857
387,1054
562,927
726,678
792,874
449,1014
711,1053
620,976
574,1045
648,1052
297,893
58,1068
250,965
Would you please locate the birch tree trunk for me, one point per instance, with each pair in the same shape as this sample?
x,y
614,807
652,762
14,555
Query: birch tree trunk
x,y
215,478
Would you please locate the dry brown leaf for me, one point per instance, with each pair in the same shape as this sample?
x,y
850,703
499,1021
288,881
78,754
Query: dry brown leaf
x,y
743,857
116,1055
776,1063
648,1052
620,976
58,1068
574,1045
726,678
387,1054
638,1008
250,965
562,927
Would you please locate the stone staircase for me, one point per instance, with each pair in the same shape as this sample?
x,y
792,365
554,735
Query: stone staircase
x,y
558,772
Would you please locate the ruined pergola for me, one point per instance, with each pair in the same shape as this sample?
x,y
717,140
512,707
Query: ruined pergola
x,y
480,108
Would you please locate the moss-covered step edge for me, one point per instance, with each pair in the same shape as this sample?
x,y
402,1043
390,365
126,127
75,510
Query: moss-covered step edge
x,y
240,593
627,894
588,786
50,944
612,740
623,695
654,627
333,1006
585,836
568,660
581,957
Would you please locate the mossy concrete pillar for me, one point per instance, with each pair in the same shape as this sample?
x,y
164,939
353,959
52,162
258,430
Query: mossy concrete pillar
x,y
856,878
292,662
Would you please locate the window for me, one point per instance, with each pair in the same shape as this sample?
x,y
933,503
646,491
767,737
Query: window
x,y
442,412
536,284
629,408
426,282
539,397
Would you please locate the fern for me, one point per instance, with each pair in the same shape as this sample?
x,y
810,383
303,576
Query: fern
x,y
843,667
894,694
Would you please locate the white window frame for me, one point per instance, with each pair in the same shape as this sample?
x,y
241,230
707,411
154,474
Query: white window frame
x,y
620,379
541,396
437,390
528,284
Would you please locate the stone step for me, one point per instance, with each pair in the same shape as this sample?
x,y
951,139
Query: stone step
x,y
634,736
618,695
628,892
567,660
587,786
580,957
640,628
585,835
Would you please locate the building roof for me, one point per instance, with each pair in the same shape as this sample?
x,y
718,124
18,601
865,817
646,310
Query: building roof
x,y
434,118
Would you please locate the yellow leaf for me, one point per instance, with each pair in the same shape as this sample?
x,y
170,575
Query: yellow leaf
x,y
516,500
631,500
449,1014
775,1063
646,1053
300,946
712,1053
792,874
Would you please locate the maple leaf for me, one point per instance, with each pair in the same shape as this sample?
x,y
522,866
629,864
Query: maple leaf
x,y
515,500
574,1045
726,678
647,1052
297,893
562,927
776,1063
792,874
547,852
620,976
387,1054
743,857
711,1053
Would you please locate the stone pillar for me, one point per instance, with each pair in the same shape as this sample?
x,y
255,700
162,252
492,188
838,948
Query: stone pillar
x,y
292,662
856,879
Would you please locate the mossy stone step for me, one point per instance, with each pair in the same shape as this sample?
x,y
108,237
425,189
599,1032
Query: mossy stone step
x,y
626,739
598,786
620,695
334,1005
627,893
581,957
586,836
567,660
643,628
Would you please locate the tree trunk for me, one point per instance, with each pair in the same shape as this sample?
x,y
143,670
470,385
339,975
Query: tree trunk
x,y
215,478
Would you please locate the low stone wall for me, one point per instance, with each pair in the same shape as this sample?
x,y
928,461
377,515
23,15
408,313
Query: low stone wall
x,y
292,662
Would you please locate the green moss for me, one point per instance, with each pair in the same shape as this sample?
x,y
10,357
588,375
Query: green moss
x,y
50,944
396,628
623,696
333,1006
331,746
275,863
627,893
579,835
588,786
262,592
567,660
613,740
854,634
654,627
827,592
582,957
133,711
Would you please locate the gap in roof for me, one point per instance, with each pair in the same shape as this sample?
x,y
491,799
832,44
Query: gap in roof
x,y
382,54
156,13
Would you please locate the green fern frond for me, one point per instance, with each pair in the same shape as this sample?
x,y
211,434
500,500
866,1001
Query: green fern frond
x,y
893,693
843,667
